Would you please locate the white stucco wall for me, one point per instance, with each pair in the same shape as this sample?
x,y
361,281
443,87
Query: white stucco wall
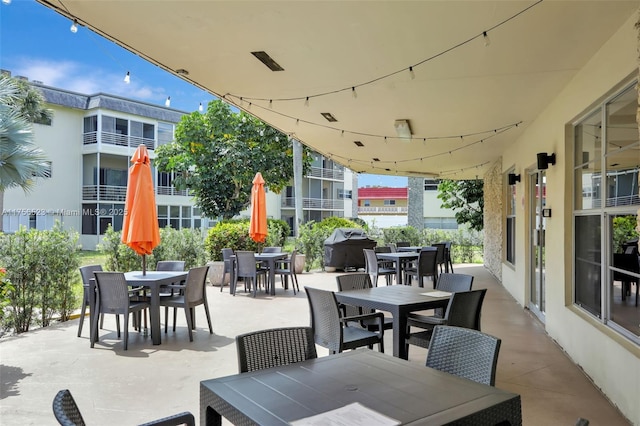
x,y
612,362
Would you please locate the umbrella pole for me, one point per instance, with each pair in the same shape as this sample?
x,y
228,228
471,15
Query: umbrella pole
x,y
144,264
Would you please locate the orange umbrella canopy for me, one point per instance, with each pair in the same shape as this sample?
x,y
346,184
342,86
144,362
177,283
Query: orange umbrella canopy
x,y
258,225
140,229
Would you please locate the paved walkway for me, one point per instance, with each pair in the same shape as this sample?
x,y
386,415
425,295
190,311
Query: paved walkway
x,y
113,386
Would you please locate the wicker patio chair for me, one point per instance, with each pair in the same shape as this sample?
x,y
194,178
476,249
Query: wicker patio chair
x,y
465,353
447,255
248,269
67,413
228,265
426,266
375,269
358,281
463,311
116,298
287,268
194,294
441,258
86,272
331,329
446,282
169,265
274,347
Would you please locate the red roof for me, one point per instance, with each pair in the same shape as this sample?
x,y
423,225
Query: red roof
x,y
379,193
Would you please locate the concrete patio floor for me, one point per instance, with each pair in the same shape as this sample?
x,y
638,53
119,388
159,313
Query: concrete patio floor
x,y
113,386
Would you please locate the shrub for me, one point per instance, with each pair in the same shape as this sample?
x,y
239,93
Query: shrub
x,y
119,256
234,233
42,267
184,244
403,233
467,244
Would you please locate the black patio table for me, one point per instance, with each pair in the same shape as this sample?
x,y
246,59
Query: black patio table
x,y
399,300
153,280
271,259
407,392
400,259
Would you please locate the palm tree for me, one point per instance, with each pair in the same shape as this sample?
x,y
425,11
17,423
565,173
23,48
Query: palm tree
x,y
21,161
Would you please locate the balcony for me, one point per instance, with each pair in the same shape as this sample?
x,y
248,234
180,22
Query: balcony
x,y
383,210
117,139
104,193
314,203
319,172
170,190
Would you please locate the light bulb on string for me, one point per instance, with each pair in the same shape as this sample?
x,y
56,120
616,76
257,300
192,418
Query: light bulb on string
x,y
412,74
127,77
74,27
200,107
487,40
167,103
261,132
277,139
270,103
354,93
306,102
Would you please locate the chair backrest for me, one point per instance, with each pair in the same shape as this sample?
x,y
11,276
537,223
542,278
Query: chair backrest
x,y
194,291
370,261
274,347
447,250
86,272
454,282
113,292
465,353
292,261
392,247
272,249
464,309
170,265
355,281
427,263
66,410
440,249
226,257
382,249
325,318
245,263
403,244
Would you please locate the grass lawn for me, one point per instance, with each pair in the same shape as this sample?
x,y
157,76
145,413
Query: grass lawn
x,y
92,258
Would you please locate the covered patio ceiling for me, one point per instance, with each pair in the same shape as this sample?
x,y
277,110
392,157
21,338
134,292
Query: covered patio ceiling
x,y
369,64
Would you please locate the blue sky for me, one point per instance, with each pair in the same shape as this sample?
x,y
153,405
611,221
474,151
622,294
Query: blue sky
x,y
35,42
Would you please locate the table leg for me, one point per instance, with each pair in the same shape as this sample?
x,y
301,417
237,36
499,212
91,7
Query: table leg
x,y
399,334
211,418
399,272
272,276
154,314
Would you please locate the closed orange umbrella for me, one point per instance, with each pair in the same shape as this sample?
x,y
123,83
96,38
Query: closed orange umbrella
x,y
258,225
140,229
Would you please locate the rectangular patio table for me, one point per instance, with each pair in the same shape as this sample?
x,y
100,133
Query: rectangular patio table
x,y
399,300
400,259
153,280
270,259
407,392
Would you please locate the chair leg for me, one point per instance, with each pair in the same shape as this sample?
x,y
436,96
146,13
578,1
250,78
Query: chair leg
x,y
83,312
118,324
175,314
187,314
166,318
206,310
126,330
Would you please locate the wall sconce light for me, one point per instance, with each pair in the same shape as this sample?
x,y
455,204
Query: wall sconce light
x,y
545,159
513,178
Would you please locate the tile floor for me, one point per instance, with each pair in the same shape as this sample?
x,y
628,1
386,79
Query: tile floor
x,y
113,386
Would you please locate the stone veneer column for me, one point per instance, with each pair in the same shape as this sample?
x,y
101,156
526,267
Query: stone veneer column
x,y
415,202
493,213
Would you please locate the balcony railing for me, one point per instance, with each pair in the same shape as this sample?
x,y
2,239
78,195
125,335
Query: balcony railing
x,y
383,210
314,203
104,192
117,139
319,172
170,190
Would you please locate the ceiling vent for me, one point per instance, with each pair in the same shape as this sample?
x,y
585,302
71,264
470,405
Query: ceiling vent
x,y
330,118
268,61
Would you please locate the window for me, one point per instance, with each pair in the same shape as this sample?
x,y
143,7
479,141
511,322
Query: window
x,y
366,203
510,213
90,124
165,133
344,194
606,200
389,202
431,184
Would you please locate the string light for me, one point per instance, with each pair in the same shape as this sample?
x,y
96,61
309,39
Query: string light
x,y
270,103
483,34
354,93
74,27
127,78
412,74
306,102
167,103
201,108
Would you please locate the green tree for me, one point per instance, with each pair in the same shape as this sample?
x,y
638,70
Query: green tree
x,y
20,159
217,154
466,199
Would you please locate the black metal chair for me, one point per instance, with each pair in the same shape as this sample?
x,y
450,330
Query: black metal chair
x,y
248,269
287,268
426,266
67,413
115,297
331,329
274,347
359,281
464,352
193,293
375,269
86,272
463,310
